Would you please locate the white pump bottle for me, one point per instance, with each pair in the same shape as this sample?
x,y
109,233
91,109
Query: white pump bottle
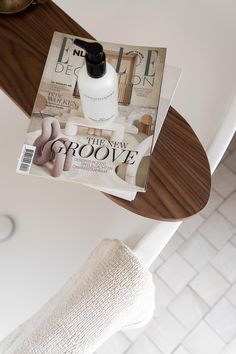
x,y
98,84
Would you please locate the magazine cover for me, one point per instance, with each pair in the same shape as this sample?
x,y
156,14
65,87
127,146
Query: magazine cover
x,y
62,144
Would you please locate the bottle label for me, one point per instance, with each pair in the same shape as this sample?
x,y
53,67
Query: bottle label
x,y
100,108
100,98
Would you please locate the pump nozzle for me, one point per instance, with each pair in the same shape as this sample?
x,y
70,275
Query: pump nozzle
x,y
95,57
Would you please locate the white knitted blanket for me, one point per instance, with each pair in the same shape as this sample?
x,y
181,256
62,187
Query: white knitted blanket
x,y
113,290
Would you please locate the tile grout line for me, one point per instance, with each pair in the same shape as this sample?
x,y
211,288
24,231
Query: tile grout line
x,y
230,240
215,304
218,250
218,271
209,306
129,340
217,208
203,317
208,263
176,252
229,299
146,334
226,216
230,167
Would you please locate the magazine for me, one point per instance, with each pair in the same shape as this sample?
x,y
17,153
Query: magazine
x,y
61,143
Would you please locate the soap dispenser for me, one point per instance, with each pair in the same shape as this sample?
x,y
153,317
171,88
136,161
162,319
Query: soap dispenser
x,y
98,84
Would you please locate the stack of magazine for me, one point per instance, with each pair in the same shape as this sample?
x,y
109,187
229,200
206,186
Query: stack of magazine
x,y
113,157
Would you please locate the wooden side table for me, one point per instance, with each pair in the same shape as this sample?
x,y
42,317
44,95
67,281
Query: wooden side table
x,y
179,181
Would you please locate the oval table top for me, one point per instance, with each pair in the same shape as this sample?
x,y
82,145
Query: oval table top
x,y
179,179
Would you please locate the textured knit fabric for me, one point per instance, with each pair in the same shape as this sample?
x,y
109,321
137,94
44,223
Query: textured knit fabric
x,y
113,290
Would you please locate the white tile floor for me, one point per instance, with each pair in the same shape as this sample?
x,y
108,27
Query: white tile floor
x,y
195,278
